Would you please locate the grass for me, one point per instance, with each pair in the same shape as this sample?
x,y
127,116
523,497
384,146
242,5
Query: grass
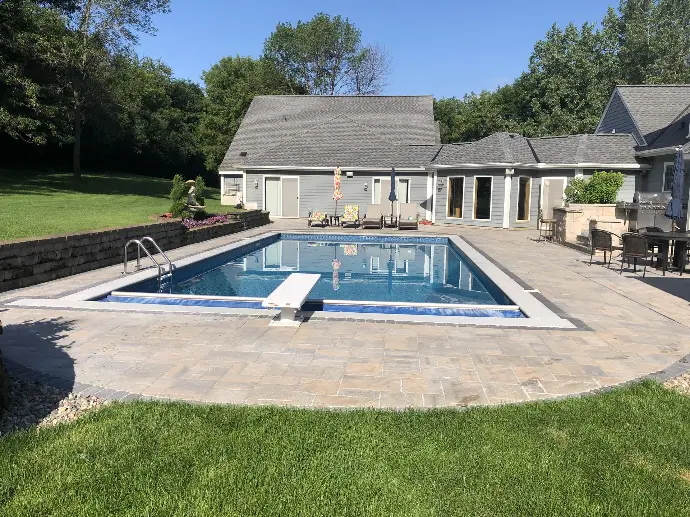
x,y
34,204
620,453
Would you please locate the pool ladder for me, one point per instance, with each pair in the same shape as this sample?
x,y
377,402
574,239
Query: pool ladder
x,y
164,276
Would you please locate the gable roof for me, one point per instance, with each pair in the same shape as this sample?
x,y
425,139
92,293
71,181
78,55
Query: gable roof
x,y
313,131
510,149
655,107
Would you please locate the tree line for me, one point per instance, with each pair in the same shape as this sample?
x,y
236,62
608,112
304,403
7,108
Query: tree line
x,y
573,71
73,92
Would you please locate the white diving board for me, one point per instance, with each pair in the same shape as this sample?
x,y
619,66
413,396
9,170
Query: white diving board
x,y
289,297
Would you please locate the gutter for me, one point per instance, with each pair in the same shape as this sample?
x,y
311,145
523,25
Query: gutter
x,y
545,166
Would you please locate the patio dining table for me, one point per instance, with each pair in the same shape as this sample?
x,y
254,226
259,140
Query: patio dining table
x,y
678,250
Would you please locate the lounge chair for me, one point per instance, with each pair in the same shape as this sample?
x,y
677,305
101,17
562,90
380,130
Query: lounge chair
x,y
373,218
350,215
409,218
320,218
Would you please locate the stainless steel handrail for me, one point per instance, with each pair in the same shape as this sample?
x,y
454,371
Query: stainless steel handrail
x,y
140,247
159,250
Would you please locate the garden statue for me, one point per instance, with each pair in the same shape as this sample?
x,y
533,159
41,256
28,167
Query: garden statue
x,y
192,203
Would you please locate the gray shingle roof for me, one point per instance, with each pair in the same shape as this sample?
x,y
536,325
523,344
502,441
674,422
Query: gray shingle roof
x,y
306,130
654,107
515,149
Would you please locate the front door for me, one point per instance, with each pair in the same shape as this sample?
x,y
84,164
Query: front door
x,y
551,195
290,197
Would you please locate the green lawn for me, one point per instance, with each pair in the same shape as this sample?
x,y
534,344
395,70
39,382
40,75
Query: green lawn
x,y
624,453
35,204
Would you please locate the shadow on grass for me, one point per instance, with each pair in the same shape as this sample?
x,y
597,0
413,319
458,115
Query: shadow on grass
x,y
13,182
35,351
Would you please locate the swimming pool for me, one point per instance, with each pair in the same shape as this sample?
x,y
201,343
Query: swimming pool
x,y
394,272
367,277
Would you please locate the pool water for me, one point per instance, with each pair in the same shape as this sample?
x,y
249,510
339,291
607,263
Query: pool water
x,y
403,270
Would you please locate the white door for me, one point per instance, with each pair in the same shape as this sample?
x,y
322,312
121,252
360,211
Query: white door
x,y
272,196
290,197
552,192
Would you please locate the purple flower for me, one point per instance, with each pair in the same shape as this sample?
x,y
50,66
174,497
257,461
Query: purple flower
x,y
209,221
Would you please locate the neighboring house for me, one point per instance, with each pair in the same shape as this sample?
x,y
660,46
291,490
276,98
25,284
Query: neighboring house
x,y
283,155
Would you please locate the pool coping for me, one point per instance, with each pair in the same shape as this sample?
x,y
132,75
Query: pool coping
x,y
538,314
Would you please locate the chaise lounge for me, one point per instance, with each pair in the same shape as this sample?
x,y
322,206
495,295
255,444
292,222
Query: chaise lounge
x,y
350,216
373,218
409,218
317,218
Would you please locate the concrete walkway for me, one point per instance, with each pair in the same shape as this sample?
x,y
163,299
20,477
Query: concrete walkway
x,y
627,328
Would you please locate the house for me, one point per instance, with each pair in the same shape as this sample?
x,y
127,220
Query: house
x,y
658,118
286,148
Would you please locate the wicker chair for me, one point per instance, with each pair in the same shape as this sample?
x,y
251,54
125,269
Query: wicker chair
x,y
601,240
635,246
656,246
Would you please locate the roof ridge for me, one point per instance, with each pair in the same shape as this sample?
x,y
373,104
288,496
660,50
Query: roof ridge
x,y
667,85
680,115
345,96
581,147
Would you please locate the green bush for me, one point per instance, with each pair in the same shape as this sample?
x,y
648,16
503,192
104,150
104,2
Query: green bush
x,y
200,187
601,188
178,196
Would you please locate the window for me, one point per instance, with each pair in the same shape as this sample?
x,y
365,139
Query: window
x,y
232,185
524,194
456,197
668,176
482,197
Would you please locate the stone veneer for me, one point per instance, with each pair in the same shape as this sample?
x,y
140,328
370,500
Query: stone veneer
x,y
29,262
577,220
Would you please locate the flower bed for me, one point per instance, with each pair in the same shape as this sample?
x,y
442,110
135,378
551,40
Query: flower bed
x,y
209,221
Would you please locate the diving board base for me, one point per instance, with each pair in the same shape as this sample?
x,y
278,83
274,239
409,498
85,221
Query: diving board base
x,y
287,317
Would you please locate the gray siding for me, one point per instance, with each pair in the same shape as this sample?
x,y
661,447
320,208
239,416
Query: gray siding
x,y
497,198
618,117
653,181
316,190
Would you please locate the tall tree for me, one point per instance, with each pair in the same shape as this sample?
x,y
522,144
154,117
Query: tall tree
x,y
325,56
99,29
635,36
231,84
670,42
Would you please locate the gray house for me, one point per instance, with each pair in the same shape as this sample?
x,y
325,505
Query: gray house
x,y
286,148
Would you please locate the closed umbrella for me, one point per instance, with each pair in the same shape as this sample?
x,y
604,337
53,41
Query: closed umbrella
x,y
392,197
675,207
337,195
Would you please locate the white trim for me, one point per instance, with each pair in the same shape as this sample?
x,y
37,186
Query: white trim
x,y
429,195
547,166
541,190
244,188
664,150
263,193
464,185
663,176
529,196
507,185
474,199
297,168
434,190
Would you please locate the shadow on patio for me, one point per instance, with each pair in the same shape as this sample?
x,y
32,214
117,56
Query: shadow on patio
x,y
671,283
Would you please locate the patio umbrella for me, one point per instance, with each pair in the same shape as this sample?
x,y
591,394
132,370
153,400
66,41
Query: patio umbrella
x,y
391,197
675,207
337,195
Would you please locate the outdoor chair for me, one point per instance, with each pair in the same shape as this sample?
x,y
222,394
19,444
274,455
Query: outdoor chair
x,y
547,227
373,218
350,216
601,240
317,218
635,246
409,218
656,246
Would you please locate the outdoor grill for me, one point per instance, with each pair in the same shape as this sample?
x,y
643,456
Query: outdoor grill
x,y
647,209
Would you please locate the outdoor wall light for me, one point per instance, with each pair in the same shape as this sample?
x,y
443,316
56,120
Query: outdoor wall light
x,y
366,187
256,183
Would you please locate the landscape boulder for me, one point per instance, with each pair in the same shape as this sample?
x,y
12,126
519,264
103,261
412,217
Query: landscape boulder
x,y
4,382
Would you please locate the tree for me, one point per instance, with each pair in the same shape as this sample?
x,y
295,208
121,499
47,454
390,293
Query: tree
x,y
100,29
635,35
670,42
325,56
231,84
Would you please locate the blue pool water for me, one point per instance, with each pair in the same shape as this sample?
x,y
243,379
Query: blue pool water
x,y
353,268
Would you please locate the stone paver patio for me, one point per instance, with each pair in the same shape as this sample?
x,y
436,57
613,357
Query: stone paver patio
x,y
627,329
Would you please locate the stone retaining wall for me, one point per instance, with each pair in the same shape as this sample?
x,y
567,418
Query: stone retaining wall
x,y
576,220
29,262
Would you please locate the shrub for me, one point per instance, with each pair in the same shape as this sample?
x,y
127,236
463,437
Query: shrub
x,y
178,196
602,187
200,187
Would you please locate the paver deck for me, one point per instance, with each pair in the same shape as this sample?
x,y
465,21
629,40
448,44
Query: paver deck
x,y
627,329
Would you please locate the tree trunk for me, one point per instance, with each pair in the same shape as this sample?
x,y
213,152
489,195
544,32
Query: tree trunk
x,y
76,155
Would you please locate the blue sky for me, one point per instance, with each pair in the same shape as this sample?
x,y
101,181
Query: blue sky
x,y
443,48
